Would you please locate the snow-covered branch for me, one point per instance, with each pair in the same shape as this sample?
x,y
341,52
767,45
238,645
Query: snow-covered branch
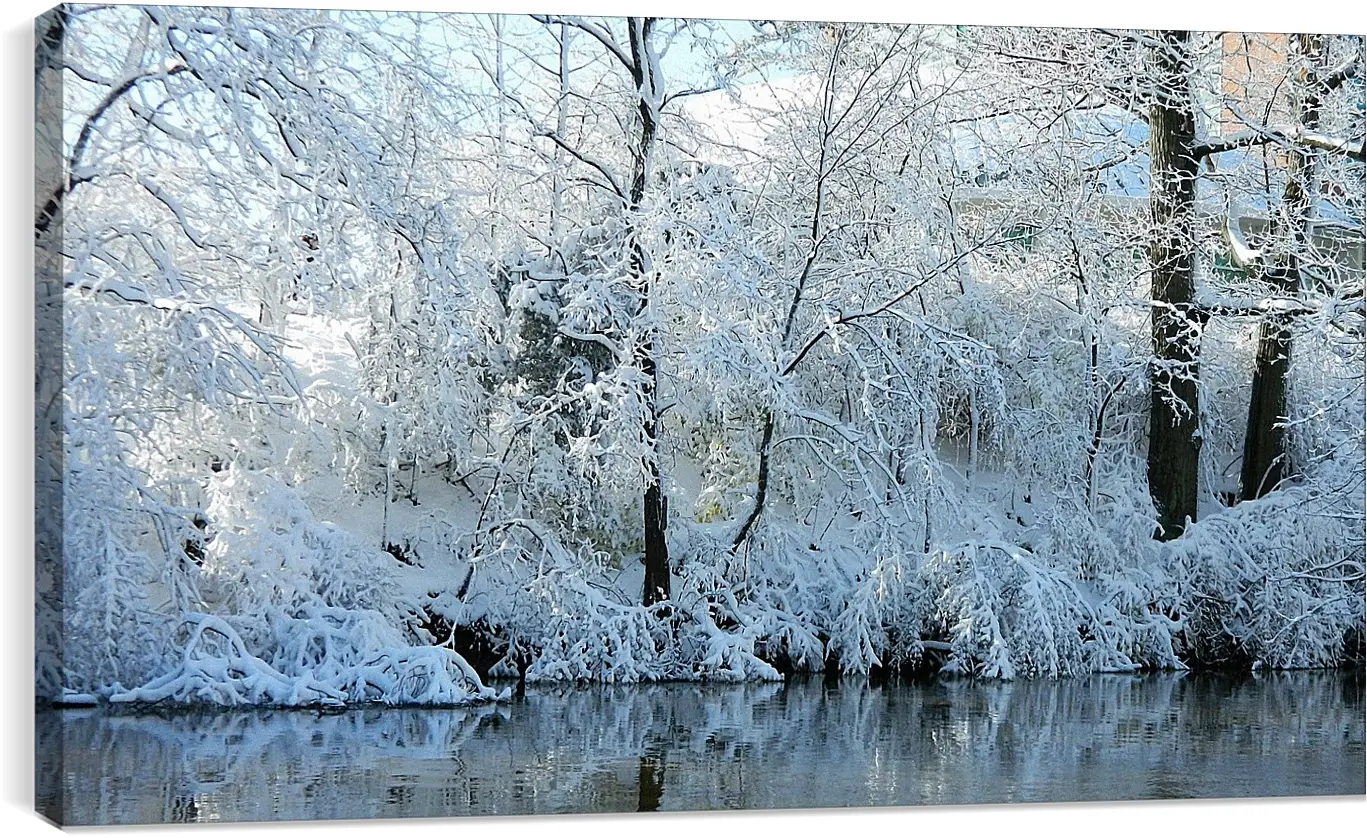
x,y
1290,136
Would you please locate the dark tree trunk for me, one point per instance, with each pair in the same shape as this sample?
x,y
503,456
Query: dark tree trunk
x,y
1265,440
1265,459
1174,414
654,508
761,482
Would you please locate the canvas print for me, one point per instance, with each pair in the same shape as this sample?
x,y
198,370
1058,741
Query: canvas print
x,y
490,413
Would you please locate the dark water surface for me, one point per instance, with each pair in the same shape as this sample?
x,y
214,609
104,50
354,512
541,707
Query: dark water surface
x,y
801,744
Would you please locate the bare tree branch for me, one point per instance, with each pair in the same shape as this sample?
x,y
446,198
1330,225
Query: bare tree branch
x,y
600,33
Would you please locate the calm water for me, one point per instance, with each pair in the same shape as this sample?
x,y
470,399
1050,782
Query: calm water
x,y
802,744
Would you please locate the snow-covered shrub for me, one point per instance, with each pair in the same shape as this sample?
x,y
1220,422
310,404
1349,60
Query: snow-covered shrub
x,y
111,621
268,553
589,636
560,614
299,613
1008,614
216,668
1144,610
1275,582
875,618
328,658
124,569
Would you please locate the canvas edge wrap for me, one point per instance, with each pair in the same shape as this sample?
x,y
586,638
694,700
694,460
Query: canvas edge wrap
x,y
50,182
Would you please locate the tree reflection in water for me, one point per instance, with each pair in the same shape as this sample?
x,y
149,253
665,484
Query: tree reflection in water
x,y
690,746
